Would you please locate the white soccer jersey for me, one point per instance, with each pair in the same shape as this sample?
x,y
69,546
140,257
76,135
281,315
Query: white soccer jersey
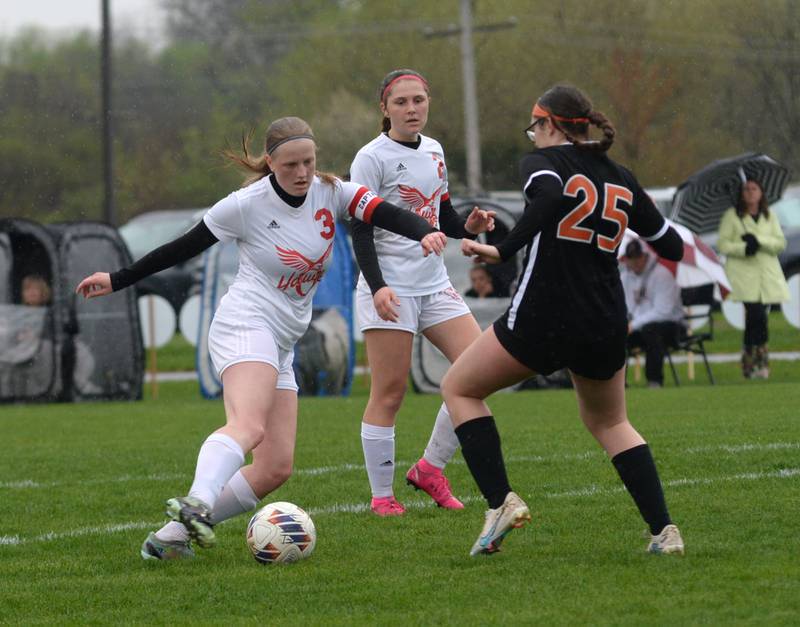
x,y
283,251
415,180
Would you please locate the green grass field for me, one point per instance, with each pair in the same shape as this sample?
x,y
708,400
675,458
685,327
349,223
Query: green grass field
x,y
178,354
80,486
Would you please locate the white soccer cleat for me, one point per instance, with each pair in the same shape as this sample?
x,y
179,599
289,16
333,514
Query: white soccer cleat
x,y
668,541
512,514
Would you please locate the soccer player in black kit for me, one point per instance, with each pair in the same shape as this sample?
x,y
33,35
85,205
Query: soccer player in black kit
x,y
568,311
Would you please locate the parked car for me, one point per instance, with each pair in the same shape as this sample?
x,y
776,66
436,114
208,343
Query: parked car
x,y
149,230
788,211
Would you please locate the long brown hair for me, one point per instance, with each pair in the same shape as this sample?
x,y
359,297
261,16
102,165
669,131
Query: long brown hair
x,y
384,91
763,207
570,103
280,131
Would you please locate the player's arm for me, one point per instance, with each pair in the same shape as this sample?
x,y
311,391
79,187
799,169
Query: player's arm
x,y
372,209
192,243
366,255
653,228
543,195
453,225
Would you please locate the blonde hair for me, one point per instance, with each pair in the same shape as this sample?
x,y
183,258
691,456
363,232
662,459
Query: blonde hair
x,y
43,285
279,132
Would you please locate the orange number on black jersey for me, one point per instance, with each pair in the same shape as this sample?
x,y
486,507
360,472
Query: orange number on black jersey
x,y
614,194
568,227
328,227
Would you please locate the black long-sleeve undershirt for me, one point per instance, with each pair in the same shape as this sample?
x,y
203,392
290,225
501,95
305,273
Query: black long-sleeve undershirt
x,y
450,223
199,238
193,242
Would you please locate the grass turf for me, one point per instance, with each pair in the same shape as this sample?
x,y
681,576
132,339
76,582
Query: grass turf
x,y
80,486
178,354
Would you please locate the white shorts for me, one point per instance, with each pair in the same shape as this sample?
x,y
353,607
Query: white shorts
x,y
231,343
416,313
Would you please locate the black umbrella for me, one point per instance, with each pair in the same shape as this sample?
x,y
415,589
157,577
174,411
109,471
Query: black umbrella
x,y
701,199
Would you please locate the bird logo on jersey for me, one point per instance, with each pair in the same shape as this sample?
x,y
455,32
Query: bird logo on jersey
x,y
420,203
309,272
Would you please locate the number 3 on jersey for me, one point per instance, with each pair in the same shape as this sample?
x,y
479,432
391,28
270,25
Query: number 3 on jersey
x,y
328,227
569,227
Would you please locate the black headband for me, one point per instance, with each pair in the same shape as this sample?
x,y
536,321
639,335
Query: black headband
x,y
288,139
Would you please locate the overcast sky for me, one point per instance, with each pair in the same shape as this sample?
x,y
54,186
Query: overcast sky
x,y
141,16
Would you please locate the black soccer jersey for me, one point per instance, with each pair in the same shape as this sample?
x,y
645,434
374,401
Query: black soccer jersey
x,y
578,205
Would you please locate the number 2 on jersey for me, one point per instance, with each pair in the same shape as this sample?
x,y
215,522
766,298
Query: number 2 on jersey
x,y
328,228
569,227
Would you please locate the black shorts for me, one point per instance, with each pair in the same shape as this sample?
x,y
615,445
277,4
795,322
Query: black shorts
x,y
545,354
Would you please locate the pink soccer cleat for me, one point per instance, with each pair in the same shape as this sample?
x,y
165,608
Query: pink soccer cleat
x,y
429,478
387,506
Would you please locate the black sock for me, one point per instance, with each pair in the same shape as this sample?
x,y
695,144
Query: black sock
x,y
480,446
638,472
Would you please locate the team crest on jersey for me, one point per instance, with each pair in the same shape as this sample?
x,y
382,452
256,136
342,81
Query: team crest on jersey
x,y
421,204
441,168
308,272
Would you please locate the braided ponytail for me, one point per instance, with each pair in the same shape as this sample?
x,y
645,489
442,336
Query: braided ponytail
x,y
609,132
566,103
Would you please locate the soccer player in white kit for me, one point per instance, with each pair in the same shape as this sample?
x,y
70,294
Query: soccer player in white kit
x,y
283,222
399,293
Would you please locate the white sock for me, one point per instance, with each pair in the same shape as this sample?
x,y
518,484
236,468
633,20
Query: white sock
x,y
237,497
444,441
378,444
173,531
219,458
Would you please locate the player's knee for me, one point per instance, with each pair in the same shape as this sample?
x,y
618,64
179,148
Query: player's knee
x,y
391,396
446,386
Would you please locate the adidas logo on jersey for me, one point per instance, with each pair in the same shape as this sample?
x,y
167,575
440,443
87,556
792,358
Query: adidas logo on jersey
x,y
274,225
401,167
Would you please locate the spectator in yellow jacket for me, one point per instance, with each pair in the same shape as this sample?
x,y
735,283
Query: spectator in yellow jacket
x,y
751,238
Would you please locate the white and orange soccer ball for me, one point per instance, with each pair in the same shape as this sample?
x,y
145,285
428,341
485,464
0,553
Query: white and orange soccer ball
x,y
281,533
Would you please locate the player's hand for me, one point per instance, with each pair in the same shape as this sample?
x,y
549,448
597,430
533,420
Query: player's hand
x,y
479,221
433,243
98,284
483,253
386,304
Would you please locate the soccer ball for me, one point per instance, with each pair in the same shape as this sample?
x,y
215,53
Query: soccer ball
x,y
281,532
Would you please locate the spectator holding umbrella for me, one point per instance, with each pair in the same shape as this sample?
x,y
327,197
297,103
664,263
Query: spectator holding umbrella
x,y
751,238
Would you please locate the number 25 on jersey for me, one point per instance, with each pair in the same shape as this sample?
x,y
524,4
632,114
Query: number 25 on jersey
x,y
570,228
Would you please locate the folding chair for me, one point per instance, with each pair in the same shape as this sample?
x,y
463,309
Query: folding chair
x,y
699,302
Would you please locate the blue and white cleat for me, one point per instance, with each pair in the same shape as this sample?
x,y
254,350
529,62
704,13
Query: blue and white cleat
x,y
193,514
512,514
155,549
668,541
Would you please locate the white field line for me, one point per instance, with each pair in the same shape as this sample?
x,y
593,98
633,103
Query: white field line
x,y
740,448
359,508
593,490
349,467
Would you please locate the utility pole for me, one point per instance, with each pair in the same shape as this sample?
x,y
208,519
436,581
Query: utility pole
x,y
472,136
109,212
472,130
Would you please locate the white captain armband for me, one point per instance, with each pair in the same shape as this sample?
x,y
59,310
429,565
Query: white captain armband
x,y
363,204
